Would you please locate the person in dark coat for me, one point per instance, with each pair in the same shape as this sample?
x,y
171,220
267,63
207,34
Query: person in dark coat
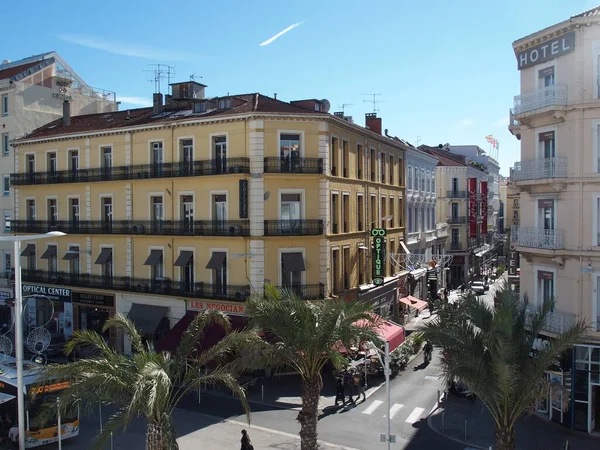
x,y
339,392
246,443
348,385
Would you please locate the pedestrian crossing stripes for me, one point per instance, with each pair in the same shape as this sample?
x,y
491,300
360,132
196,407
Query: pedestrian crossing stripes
x,y
372,407
394,409
431,377
415,415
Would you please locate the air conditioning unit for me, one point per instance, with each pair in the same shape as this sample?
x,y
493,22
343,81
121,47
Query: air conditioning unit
x,y
137,229
235,230
238,295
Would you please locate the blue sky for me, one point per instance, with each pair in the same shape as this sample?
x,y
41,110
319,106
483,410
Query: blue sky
x,y
445,70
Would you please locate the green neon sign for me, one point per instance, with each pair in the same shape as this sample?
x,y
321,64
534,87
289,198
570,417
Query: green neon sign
x,y
378,235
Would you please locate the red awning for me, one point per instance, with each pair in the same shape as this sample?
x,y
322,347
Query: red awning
x,y
212,334
413,302
388,331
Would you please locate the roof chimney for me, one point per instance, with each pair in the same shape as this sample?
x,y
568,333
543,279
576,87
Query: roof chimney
x,y
373,123
66,113
157,103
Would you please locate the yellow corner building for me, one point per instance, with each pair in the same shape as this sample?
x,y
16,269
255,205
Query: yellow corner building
x,y
195,203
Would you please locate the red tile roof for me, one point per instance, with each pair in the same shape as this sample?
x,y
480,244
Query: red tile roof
x,y
143,116
12,71
445,157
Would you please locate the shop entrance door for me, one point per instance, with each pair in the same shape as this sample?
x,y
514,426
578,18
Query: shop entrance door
x,y
93,319
594,427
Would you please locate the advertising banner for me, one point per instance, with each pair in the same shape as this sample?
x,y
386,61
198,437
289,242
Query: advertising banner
x,y
472,207
484,206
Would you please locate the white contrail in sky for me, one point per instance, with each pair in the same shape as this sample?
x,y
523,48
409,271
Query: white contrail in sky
x,y
281,33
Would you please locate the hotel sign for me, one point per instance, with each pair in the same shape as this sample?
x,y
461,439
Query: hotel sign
x,y
378,255
546,51
513,261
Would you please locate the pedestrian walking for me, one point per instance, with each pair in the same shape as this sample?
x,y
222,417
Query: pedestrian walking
x,y
339,391
362,384
348,385
246,442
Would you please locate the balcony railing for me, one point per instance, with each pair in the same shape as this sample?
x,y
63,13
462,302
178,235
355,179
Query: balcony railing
x,y
537,169
137,227
457,220
163,286
297,227
137,172
538,237
305,291
456,194
556,322
294,165
555,95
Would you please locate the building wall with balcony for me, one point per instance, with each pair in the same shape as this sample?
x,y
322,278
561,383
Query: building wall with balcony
x,y
555,211
167,206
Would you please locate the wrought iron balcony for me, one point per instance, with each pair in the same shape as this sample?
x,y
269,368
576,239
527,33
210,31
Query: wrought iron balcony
x,y
456,194
294,165
163,286
305,291
538,237
537,169
457,220
137,227
555,95
297,227
556,322
137,172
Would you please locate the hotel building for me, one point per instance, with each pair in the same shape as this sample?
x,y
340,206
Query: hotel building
x,y
195,203
32,91
557,118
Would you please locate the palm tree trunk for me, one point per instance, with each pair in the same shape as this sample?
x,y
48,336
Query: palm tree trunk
x,y
308,415
156,437
505,437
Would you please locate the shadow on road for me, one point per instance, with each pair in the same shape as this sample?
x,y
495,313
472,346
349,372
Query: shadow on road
x,y
421,366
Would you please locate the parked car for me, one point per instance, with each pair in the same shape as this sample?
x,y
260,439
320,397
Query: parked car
x,y
478,287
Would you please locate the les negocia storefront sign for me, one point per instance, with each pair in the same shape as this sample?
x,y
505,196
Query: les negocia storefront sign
x,y
378,235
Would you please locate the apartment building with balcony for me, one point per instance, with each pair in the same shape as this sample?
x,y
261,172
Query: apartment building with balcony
x,y
557,119
425,235
461,204
31,94
197,203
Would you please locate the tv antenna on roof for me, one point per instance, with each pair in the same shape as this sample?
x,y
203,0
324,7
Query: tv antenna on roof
x,y
343,106
193,77
374,101
159,73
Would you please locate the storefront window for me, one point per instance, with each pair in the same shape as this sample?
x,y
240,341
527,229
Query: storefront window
x,y
582,354
581,385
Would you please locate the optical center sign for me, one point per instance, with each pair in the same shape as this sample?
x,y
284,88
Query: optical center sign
x,y
53,293
378,235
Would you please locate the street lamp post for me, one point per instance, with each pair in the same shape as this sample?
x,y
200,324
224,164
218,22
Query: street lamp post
x,y
19,324
389,438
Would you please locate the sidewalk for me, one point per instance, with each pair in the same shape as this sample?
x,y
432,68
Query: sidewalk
x,y
533,432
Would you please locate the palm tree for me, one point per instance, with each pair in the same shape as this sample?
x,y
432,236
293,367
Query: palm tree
x,y
148,383
307,335
490,350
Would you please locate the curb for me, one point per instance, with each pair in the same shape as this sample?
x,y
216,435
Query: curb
x,y
437,431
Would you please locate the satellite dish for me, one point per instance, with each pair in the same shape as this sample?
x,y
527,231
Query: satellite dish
x,y
325,105
267,195
6,61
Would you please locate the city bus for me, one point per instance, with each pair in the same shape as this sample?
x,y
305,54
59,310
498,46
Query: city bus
x,y
37,392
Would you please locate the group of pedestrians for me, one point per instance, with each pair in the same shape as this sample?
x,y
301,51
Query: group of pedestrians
x,y
352,385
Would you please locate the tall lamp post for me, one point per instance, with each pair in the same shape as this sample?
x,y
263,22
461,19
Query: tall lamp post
x,y
389,438
19,324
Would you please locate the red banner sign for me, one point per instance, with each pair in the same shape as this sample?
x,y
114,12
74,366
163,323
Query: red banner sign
x,y
472,207
484,206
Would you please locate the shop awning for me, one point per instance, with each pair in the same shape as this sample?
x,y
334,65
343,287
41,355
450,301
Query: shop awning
x,y
104,256
387,331
216,260
71,255
404,247
413,302
212,333
154,258
293,262
184,258
146,317
49,253
29,250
